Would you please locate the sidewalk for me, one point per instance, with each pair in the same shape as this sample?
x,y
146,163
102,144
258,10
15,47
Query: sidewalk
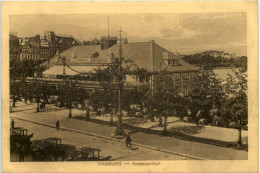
x,y
178,143
174,124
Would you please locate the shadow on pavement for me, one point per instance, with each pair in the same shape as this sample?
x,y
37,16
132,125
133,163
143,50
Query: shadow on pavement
x,y
22,110
188,130
183,133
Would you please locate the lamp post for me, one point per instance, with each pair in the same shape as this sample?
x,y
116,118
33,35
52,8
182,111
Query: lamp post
x,y
63,59
119,128
70,103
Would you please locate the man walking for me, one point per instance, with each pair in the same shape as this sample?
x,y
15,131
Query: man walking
x,y
21,154
12,124
160,121
128,141
57,124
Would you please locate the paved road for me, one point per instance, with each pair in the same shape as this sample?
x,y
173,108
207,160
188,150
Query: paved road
x,y
173,144
108,147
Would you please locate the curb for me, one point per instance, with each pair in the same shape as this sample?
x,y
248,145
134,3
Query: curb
x,y
112,139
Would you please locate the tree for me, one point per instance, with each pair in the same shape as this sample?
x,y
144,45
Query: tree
x,y
235,108
39,90
116,94
207,91
67,95
109,93
162,99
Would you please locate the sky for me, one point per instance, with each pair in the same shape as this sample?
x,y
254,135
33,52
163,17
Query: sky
x,y
186,33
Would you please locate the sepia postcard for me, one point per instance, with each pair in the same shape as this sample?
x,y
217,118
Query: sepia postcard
x,y
130,86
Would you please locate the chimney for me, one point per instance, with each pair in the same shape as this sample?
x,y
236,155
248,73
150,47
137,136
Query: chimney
x,y
108,42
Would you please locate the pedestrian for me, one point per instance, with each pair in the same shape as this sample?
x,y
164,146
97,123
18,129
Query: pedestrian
x,y
21,154
160,121
12,124
87,114
198,115
43,104
58,124
128,141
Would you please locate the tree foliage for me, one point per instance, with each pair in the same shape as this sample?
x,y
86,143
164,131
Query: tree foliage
x,y
216,59
207,92
235,107
25,68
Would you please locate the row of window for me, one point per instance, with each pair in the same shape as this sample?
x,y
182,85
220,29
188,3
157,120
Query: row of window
x,y
185,76
44,55
173,62
33,56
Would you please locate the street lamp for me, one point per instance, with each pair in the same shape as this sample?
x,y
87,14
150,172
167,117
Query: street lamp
x,y
119,128
63,59
70,98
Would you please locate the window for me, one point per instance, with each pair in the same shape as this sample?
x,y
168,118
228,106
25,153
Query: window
x,y
177,87
186,88
173,62
111,55
177,77
186,76
176,62
170,62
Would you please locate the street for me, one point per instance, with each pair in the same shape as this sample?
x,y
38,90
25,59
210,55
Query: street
x,y
108,147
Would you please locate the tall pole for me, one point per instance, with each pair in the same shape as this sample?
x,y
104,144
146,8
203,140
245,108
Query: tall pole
x,y
70,97
63,60
108,26
119,129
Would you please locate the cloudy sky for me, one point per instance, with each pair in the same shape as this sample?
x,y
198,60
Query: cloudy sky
x,y
186,33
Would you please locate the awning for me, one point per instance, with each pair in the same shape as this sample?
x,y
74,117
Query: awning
x,y
73,70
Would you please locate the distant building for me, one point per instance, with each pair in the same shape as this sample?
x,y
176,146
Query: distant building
x,y
45,47
147,55
29,52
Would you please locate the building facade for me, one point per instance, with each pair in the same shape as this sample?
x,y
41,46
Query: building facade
x,y
45,47
146,55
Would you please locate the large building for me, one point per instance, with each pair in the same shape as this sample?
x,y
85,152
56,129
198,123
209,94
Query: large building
x,y
44,47
147,55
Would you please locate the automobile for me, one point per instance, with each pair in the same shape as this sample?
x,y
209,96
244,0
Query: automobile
x,y
125,113
52,99
187,119
203,121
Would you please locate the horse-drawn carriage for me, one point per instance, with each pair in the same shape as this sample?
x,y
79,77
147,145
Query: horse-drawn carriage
x,y
49,149
19,138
